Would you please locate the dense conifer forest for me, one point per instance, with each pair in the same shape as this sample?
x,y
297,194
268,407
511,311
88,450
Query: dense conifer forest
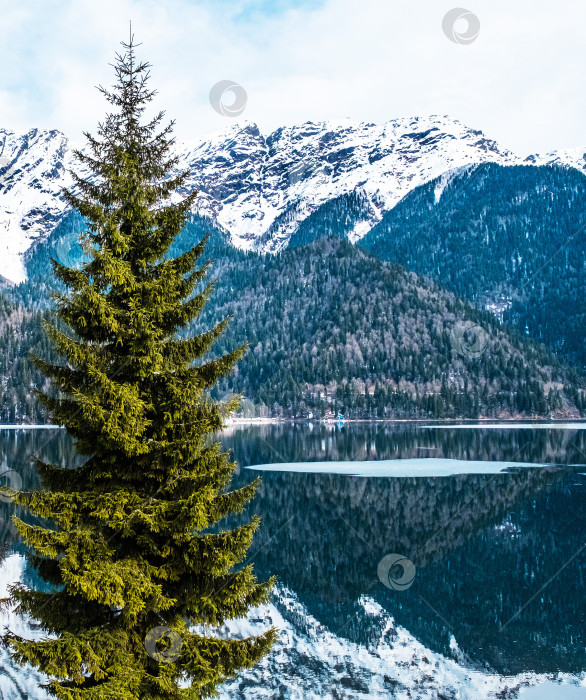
x,y
511,237
332,331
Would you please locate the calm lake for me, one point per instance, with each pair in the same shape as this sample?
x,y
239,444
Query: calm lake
x,y
487,525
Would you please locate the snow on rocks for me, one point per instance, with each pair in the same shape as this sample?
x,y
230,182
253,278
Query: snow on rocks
x,y
259,188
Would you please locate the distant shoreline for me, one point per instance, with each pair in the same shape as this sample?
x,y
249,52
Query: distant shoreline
x,y
26,426
443,421
332,421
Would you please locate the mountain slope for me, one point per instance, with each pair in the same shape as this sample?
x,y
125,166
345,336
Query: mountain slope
x,y
20,331
510,239
333,329
32,172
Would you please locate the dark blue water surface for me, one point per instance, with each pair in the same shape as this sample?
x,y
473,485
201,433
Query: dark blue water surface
x,y
500,559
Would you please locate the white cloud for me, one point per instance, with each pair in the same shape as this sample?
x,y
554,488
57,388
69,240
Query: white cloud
x,y
372,60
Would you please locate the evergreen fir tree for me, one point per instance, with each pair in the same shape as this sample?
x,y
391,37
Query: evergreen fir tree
x,y
134,551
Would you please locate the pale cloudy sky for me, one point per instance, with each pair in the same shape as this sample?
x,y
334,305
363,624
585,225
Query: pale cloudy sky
x,y
521,80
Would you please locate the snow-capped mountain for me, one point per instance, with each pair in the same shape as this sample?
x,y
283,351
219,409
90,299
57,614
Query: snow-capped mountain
x,y
273,183
32,172
259,188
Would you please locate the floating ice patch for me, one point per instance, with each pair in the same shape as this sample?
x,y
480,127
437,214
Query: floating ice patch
x,y
420,467
513,426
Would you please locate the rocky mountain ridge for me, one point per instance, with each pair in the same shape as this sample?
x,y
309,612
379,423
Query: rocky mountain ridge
x,y
260,188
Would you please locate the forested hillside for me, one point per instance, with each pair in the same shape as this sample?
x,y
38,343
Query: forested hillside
x,y
332,330
511,237
20,332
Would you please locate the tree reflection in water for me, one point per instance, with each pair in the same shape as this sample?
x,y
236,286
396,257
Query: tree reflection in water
x,y
483,545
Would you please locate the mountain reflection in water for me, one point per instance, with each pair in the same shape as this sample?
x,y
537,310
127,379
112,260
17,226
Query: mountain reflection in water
x,y
484,545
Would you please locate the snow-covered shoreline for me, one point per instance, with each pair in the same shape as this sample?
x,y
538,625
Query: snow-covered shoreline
x,y
422,422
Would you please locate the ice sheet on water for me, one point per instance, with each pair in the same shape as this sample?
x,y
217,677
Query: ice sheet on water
x,y
511,426
416,467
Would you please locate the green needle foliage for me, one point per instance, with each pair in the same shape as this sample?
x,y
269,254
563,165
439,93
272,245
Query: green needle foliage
x,y
134,543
